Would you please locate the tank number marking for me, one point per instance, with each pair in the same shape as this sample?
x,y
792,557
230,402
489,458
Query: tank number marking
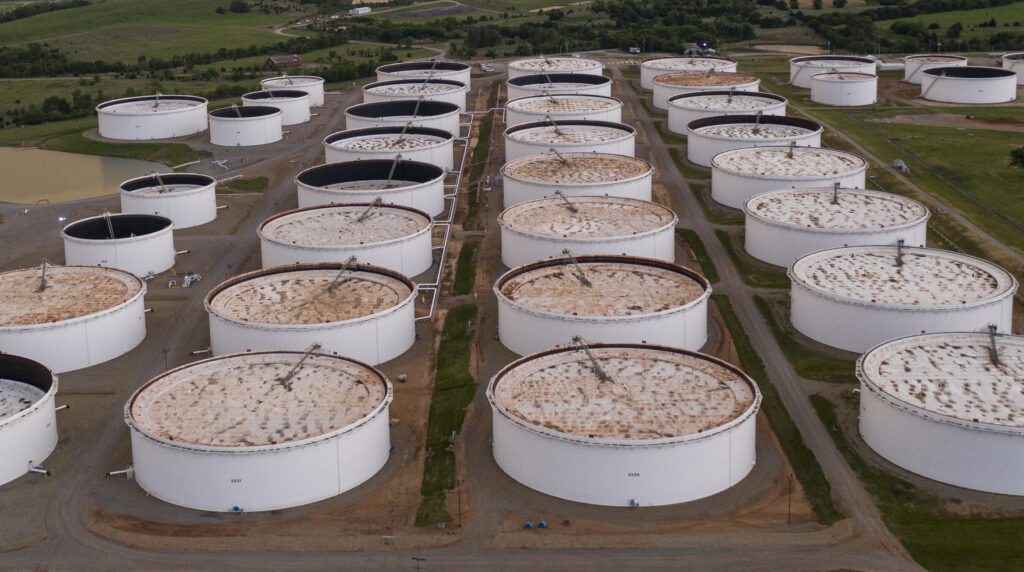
x,y
632,474
236,480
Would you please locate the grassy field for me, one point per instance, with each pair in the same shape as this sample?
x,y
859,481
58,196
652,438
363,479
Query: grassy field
x,y
465,269
970,19
122,29
520,6
707,265
807,362
754,272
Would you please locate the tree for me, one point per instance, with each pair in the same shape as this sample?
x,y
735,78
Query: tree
x,y
220,10
239,6
817,4
794,4
839,3
1017,158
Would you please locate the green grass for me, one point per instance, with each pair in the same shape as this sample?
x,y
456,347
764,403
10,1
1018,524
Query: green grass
x,y
465,269
754,273
38,134
707,265
480,153
432,510
667,136
937,539
438,473
517,6
244,185
805,466
687,169
1009,13
807,362
166,153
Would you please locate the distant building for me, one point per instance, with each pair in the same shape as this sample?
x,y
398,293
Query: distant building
x,y
359,11
634,50
292,61
690,48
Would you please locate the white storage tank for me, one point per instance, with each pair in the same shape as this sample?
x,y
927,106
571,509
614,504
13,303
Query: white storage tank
x,y
544,228
70,317
844,89
562,108
624,424
412,89
557,64
948,406
136,243
742,173
687,107
294,104
708,137
653,67
528,139
434,114
431,69
394,182
188,199
782,226
152,117
423,144
803,67
363,312
28,418
246,126
668,85
973,85
311,84
558,84
915,64
247,433
603,298
882,292
390,236
1015,63
575,174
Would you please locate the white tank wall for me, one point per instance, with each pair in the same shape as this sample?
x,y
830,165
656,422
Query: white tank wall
x,y
782,245
990,461
663,92
1016,66
518,191
514,117
515,149
411,255
615,475
247,131
457,75
800,75
449,122
186,209
865,326
844,93
308,84
515,91
518,248
679,117
700,148
456,96
294,110
969,90
732,189
527,331
912,68
265,478
648,74
80,342
139,255
371,339
28,437
163,125
427,197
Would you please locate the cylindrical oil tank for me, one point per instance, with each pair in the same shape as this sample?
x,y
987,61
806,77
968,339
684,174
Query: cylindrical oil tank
x,y
803,67
28,419
603,298
390,236
947,406
544,228
434,114
782,226
882,292
708,137
528,139
432,69
311,84
246,126
653,67
397,182
687,107
562,108
423,144
152,117
293,103
560,65
558,84
844,89
668,85
413,89
624,424
136,243
1015,63
742,173
576,174
188,199
248,433
915,64
70,317
360,311
973,85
